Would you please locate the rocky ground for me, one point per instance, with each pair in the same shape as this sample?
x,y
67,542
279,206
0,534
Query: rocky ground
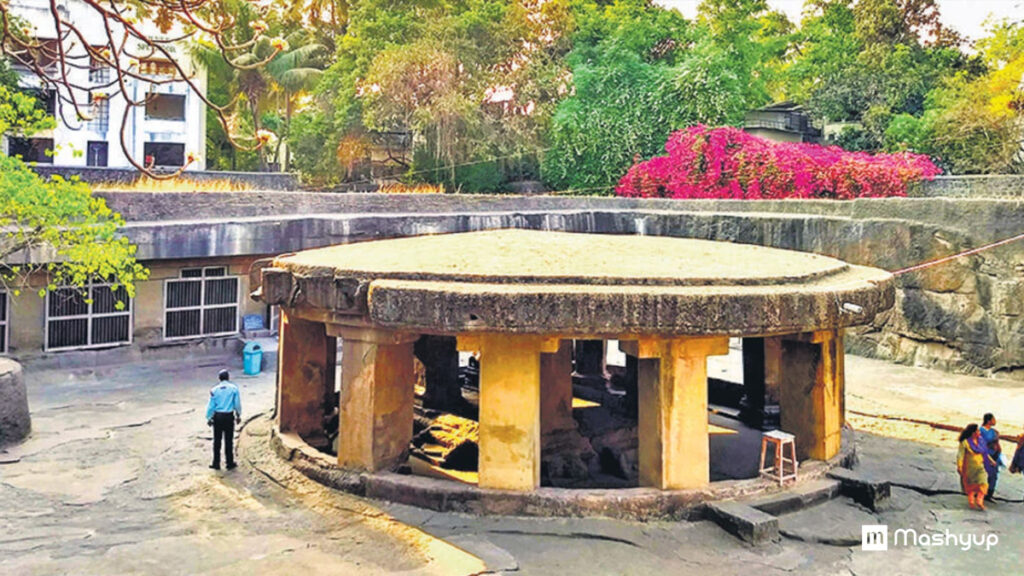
x,y
114,481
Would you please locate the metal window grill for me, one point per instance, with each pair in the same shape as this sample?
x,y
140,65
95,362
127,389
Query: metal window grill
x,y
88,317
99,72
100,121
203,302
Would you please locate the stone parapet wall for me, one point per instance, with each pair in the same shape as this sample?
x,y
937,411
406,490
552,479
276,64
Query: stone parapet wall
x,y
965,316
982,186
127,176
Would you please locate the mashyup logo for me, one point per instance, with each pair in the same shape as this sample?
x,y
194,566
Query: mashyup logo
x,y
875,538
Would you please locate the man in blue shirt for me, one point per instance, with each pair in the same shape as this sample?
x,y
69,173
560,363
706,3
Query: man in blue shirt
x,y
222,412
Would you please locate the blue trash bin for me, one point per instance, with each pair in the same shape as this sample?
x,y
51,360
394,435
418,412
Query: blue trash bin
x,y
252,358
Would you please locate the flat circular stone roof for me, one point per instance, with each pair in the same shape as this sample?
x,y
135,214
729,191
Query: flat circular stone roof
x,y
526,281
528,256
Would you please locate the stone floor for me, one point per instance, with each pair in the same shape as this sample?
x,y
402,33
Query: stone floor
x,y
114,481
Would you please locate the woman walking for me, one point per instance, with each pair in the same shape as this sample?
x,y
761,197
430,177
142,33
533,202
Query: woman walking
x,y
990,437
971,459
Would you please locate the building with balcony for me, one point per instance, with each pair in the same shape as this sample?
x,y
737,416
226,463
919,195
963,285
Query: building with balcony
x,y
782,122
162,133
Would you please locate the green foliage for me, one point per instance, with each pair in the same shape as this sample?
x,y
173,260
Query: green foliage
x,y
20,114
596,83
973,125
63,221
57,219
639,73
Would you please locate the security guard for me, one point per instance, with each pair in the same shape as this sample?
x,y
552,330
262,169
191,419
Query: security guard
x,y
222,412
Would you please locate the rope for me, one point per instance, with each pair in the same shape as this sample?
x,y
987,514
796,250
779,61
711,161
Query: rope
x,y
945,259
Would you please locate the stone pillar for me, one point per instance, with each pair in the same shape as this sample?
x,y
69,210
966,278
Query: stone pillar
x,y
631,376
811,392
510,432
306,358
440,358
590,363
674,449
762,359
556,390
377,392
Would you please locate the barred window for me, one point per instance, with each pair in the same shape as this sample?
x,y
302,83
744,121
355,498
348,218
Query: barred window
x,y
202,302
100,121
87,317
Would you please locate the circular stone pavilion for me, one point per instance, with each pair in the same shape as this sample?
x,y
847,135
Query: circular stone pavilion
x,y
516,297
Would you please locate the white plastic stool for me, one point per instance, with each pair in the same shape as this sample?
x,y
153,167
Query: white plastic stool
x,y
777,470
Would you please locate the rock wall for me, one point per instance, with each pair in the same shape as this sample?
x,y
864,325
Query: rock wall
x,y
987,186
965,316
15,423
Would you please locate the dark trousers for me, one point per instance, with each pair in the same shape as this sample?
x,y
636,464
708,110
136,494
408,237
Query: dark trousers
x,y
224,427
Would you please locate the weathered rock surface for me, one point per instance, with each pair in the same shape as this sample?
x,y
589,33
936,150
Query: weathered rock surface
x,y
15,421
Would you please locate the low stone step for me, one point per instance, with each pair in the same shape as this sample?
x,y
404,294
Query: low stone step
x,y
746,523
869,492
803,495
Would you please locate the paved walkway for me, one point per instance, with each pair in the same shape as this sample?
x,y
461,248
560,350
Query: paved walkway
x,y
113,481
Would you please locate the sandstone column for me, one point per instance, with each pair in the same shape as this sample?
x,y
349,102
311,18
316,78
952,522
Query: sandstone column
x,y
673,411
762,360
377,392
811,393
590,362
305,374
556,389
440,358
510,432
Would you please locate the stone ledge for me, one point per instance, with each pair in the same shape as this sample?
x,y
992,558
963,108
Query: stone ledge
x,y
450,496
801,496
745,522
870,493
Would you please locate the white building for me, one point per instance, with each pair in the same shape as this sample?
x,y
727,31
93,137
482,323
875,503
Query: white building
x,y
170,127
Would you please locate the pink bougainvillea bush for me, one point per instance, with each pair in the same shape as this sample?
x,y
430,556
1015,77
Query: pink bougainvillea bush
x,y
727,162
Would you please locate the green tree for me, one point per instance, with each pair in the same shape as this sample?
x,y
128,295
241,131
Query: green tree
x,y
639,72
900,53
56,221
472,81
973,125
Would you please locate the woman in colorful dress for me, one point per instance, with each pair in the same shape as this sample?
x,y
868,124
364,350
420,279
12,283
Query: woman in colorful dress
x,y
970,463
990,437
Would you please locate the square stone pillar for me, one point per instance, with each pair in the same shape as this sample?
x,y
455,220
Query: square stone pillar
x,y
440,360
762,361
590,356
674,448
811,392
556,390
377,392
306,358
510,390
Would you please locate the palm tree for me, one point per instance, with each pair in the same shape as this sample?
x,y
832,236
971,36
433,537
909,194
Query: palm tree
x,y
276,87
295,72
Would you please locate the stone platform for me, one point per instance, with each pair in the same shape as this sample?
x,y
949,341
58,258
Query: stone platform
x,y
621,503
531,282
